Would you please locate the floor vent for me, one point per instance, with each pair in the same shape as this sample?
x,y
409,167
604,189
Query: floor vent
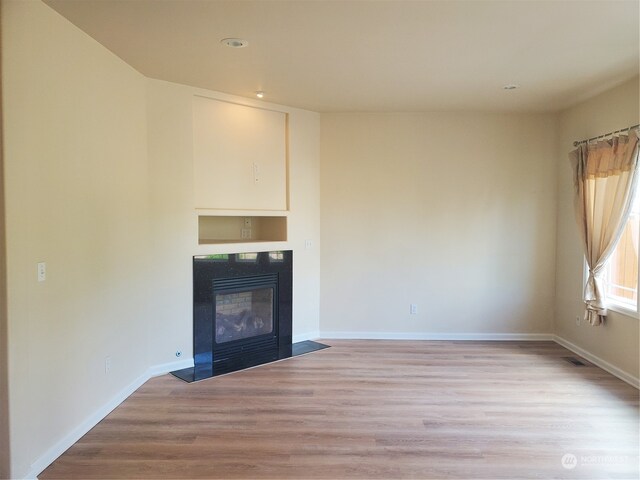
x,y
576,362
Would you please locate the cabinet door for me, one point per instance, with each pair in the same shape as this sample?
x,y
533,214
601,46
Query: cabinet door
x,y
240,156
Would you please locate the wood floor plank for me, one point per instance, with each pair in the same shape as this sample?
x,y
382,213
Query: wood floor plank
x,y
375,409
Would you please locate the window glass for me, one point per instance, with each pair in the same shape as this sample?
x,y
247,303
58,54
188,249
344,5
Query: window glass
x,y
621,271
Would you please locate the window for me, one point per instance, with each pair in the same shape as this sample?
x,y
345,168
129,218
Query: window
x,y
247,257
621,271
276,257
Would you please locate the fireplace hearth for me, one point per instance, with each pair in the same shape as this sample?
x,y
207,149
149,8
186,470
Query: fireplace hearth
x,y
242,312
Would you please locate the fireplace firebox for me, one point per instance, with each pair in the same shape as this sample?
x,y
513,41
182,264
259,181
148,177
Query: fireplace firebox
x,y
242,312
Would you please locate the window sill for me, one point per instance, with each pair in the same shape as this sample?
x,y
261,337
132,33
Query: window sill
x,y
622,309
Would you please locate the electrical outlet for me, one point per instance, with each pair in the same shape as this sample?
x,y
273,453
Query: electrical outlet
x,y
578,320
42,271
413,309
107,365
308,244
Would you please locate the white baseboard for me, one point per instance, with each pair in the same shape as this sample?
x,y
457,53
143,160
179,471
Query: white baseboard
x,y
306,336
435,336
603,364
77,433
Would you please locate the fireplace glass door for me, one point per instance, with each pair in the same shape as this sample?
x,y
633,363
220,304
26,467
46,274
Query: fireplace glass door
x,y
243,313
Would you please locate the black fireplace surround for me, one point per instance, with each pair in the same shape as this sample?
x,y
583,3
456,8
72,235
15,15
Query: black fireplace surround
x,y
242,312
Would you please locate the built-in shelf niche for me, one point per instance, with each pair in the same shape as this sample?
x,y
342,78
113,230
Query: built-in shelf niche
x,y
219,229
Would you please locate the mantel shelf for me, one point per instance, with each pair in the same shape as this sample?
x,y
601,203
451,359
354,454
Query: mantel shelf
x,y
237,213
210,241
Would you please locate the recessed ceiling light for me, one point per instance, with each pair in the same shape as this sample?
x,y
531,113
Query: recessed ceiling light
x,y
511,86
234,42
259,94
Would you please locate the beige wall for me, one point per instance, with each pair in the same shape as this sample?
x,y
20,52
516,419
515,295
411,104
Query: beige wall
x,y
99,185
76,198
454,212
4,386
617,341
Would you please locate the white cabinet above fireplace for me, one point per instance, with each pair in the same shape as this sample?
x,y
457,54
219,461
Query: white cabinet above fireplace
x,y
240,156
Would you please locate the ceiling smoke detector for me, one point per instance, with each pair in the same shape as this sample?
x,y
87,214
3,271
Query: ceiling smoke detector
x,y
234,42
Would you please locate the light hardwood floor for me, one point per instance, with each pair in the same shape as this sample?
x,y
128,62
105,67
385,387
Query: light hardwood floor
x,y
375,409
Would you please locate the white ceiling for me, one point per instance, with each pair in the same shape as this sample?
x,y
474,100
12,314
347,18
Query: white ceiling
x,y
364,55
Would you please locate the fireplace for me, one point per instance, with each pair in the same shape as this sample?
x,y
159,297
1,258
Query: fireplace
x,y
242,312
244,308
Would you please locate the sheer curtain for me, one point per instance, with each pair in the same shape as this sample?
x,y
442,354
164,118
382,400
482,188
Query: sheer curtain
x,y
605,179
